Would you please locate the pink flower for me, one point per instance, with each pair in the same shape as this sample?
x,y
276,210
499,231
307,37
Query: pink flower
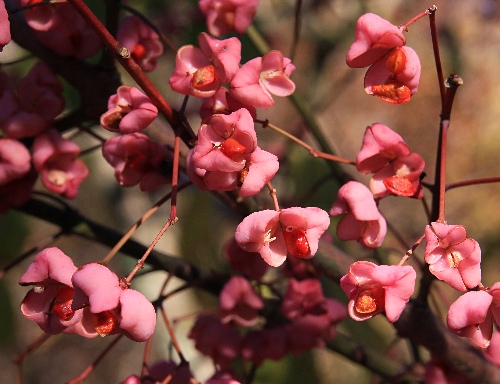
x,y
49,303
219,341
492,352
267,343
259,168
15,160
395,69
137,160
361,221
436,372
380,146
295,231
222,103
374,38
141,40
56,160
249,264
34,107
110,309
469,316
201,71
222,378
159,371
375,288
494,291
61,28
4,26
225,15
302,297
312,329
394,83
239,302
260,78
18,191
400,177
129,111
224,143
452,257
396,169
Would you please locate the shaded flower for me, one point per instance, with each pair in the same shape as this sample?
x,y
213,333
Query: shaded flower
x,y
267,343
249,264
436,372
35,104
373,289
141,40
138,160
15,160
361,221
452,257
61,28
129,111
225,15
56,160
238,302
219,341
18,191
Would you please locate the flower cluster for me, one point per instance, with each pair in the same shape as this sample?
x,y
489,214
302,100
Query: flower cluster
x,y
27,114
135,157
142,41
223,16
201,72
61,28
226,156
309,319
89,301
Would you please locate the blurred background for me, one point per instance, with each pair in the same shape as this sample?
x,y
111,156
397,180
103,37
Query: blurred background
x,y
469,38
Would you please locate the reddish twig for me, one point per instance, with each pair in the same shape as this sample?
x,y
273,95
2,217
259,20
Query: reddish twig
x,y
312,151
173,338
98,359
123,56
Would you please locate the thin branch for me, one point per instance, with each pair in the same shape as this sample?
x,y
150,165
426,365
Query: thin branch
x,y
123,56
